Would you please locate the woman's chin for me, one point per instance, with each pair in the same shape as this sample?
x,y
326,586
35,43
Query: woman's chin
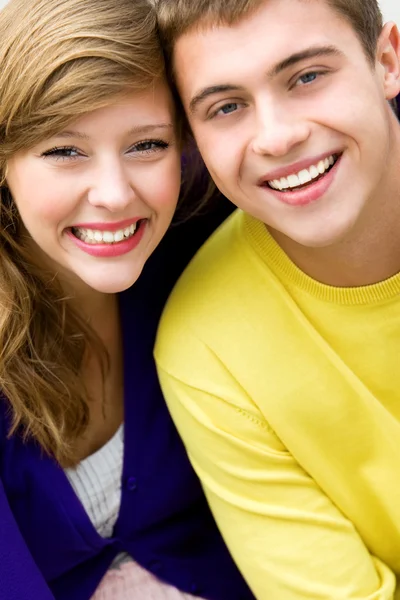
x,y
111,285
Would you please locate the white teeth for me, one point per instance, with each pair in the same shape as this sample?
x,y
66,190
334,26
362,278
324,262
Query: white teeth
x,y
95,236
304,176
293,181
284,183
108,237
275,184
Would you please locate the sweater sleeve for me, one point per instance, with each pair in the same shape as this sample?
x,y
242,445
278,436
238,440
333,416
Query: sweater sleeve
x,y
20,578
287,537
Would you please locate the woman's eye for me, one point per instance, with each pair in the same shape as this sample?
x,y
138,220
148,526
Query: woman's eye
x,y
62,152
149,146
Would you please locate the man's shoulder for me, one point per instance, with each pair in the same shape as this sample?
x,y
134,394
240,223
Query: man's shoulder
x,y
213,296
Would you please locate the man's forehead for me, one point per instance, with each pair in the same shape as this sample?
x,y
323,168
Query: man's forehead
x,y
275,20
212,52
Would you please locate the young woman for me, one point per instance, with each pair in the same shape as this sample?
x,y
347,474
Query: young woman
x,y
97,498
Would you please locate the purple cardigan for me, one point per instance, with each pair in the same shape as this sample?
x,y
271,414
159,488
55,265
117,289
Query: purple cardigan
x,y
48,546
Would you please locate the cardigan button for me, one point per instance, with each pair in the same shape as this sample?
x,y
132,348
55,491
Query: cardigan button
x,y
131,484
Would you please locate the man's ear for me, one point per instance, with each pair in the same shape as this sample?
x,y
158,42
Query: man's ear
x,y
388,58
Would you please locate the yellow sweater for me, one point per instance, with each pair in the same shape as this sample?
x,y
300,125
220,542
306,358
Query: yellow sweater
x,y
287,395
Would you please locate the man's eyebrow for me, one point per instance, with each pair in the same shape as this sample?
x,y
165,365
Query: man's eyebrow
x,y
137,129
291,60
210,91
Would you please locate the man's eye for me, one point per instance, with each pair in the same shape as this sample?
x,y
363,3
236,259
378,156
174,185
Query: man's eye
x,y
228,108
308,78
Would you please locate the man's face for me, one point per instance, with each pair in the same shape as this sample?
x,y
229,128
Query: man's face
x,y
291,118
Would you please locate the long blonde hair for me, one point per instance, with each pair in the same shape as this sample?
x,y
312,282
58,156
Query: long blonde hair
x,y
59,59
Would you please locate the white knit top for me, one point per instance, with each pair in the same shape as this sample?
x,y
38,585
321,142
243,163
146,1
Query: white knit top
x,y
97,483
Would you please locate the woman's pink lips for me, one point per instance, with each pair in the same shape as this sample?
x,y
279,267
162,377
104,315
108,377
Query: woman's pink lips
x,y
108,226
309,194
110,250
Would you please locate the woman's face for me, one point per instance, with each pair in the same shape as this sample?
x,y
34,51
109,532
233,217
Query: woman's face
x,y
97,198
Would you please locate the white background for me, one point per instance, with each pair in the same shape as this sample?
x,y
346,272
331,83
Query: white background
x,y
390,8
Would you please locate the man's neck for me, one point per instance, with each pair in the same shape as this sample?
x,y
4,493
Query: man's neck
x,y
349,264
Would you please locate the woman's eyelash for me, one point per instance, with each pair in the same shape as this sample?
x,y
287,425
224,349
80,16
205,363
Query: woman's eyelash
x,y
142,147
61,152
147,146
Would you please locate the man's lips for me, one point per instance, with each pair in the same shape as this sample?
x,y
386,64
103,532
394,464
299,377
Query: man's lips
x,y
295,168
306,194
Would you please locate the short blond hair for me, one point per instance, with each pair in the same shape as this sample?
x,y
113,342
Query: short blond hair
x,y
179,16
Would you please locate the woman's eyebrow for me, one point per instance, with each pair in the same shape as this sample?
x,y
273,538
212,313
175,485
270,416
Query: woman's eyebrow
x,y
134,130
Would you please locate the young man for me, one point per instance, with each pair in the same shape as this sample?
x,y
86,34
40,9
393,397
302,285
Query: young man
x,y
279,349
